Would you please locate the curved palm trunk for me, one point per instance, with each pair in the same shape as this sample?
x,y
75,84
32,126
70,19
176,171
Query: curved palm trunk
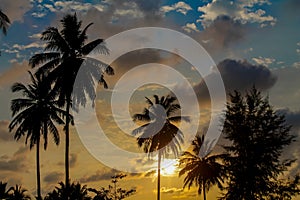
x,y
158,175
67,146
203,187
38,174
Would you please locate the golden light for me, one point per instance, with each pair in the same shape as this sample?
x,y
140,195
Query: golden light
x,y
168,167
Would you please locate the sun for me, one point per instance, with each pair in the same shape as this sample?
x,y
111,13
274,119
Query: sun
x,y
168,167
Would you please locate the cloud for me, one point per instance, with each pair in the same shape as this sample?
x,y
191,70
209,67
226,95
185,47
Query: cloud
x,y
223,31
15,10
190,27
292,117
99,175
171,190
286,91
244,11
38,15
15,163
28,46
5,135
17,72
180,7
70,6
72,160
264,61
236,75
53,177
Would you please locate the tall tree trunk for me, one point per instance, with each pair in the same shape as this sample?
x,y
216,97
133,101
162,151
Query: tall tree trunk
x,y
67,146
204,190
158,174
38,174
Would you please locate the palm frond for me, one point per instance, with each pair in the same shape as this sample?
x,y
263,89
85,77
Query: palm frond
x,y
40,58
4,22
179,119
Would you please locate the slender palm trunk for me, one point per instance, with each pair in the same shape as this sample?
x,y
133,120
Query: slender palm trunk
x,y
158,175
67,145
204,190
38,173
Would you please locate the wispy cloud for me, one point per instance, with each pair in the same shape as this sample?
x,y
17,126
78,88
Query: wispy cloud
x,y
190,27
244,10
180,7
264,61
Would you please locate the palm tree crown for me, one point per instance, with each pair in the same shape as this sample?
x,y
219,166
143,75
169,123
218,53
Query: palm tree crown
x,y
18,193
203,172
65,53
4,22
158,133
35,114
3,191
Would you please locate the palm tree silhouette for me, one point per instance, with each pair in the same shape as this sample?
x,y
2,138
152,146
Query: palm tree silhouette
x,y
203,172
75,192
159,133
18,193
34,115
4,22
65,52
3,191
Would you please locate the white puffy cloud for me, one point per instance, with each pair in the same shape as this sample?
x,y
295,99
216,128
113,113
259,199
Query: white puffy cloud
x,y
180,7
242,10
190,27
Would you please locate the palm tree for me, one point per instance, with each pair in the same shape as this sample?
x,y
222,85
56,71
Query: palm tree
x,y
203,172
4,22
34,115
18,193
159,133
75,192
3,191
64,54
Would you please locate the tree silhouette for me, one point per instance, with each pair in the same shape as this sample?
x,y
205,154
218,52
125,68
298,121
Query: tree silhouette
x,y
35,115
75,192
66,52
3,191
113,192
159,133
203,172
4,22
18,193
257,137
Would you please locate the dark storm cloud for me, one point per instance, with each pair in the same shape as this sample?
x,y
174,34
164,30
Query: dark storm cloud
x,y
99,176
15,163
223,31
239,75
53,177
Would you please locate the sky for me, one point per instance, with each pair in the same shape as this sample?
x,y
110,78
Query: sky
x,y
250,41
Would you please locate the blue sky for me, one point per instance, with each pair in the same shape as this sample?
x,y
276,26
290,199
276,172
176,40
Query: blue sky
x,y
251,41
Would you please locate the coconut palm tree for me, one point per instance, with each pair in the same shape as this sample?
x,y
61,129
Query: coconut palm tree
x,y
64,55
35,115
203,172
3,191
158,133
4,22
76,191
18,193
